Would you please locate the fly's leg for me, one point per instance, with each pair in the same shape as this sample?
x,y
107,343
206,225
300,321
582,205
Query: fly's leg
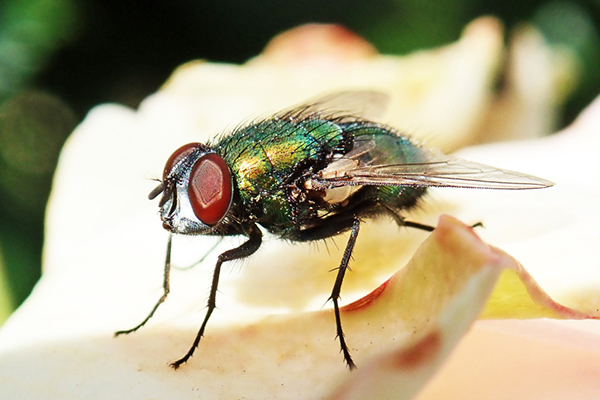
x,y
164,295
337,288
402,222
244,250
417,225
335,225
429,228
203,257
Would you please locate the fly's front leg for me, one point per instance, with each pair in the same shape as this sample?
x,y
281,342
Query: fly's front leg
x,y
164,295
246,249
337,288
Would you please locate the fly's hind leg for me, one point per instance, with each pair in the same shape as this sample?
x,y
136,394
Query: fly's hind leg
x,y
417,225
428,228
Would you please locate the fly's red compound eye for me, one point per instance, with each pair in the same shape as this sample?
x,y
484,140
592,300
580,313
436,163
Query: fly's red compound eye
x,y
210,190
179,155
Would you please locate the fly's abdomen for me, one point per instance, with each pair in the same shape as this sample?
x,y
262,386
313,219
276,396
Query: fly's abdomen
x,y
388,147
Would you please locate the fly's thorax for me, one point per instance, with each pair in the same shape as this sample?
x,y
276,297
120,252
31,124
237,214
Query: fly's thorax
x,y
265,157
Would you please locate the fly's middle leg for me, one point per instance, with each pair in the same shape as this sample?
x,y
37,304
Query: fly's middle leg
x,y
337,288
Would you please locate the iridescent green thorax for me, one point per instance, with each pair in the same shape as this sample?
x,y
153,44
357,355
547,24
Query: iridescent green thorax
x,y
264,156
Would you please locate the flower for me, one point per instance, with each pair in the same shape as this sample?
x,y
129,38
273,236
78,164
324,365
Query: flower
x,y
271,337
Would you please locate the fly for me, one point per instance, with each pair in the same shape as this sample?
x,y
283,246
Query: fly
x,y
305,174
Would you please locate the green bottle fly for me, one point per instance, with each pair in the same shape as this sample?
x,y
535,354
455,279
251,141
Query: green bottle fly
x,y
306,174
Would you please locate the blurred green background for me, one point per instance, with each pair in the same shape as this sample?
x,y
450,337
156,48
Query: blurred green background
x,y
59,58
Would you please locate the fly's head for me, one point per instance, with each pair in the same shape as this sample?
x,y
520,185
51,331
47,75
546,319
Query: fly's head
x,y
197,190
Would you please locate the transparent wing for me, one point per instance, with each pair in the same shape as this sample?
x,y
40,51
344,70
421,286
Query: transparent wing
x,y
351,105
435,169
362,166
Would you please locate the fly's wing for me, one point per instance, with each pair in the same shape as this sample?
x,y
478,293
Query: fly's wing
x,y
435,169
343,106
